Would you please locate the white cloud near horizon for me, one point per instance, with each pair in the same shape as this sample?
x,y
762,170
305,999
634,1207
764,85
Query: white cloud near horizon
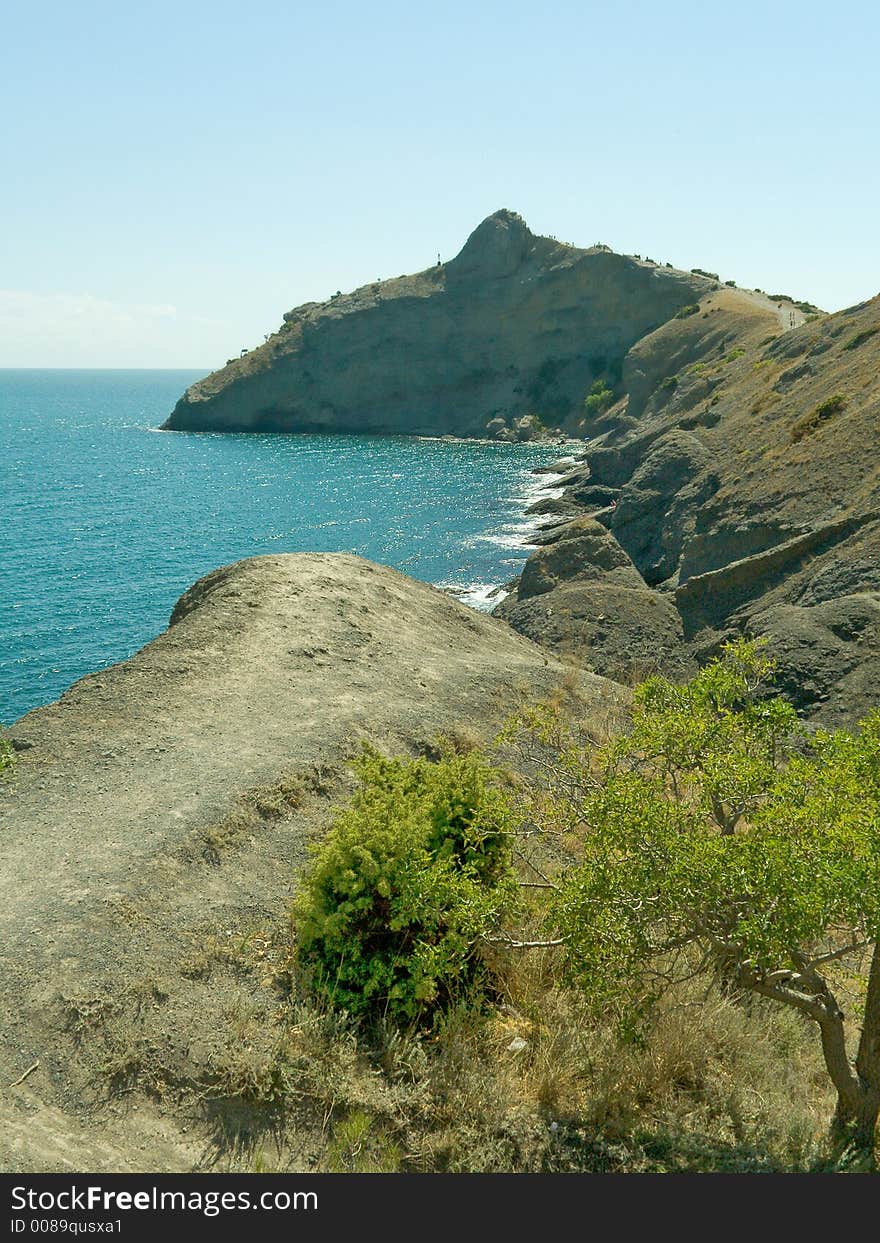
x,y
80,330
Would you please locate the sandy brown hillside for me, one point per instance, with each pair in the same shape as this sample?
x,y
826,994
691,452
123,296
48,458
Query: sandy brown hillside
x,y
738,479
158,815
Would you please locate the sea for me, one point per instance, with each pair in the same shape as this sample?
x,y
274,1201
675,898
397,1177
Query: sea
x,y
105,521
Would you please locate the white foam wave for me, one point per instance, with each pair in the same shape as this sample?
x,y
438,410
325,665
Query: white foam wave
x,y
515,535
480,596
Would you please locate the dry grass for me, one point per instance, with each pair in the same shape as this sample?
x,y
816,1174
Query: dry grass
x,y
532,1084
811,422
529,1083
265,805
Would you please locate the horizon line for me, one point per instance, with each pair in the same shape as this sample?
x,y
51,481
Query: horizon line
x,y
81,368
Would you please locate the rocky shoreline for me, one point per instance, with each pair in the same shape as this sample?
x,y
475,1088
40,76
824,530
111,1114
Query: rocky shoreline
x,y
734,490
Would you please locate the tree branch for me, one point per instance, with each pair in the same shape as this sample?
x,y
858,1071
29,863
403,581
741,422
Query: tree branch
x,y
510,943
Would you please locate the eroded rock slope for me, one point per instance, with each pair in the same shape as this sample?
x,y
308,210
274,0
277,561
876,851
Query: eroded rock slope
x,y
734,488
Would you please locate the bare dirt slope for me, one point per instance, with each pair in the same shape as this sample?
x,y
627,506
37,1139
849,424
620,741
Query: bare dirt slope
x,y
158,814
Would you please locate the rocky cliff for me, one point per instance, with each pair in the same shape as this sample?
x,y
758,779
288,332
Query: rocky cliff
x,y
515,324
734,488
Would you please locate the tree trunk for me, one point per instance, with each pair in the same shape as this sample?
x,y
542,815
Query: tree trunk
x,y
858,1103
855,1124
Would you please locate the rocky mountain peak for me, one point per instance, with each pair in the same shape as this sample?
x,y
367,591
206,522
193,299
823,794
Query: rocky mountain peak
x,y
496,247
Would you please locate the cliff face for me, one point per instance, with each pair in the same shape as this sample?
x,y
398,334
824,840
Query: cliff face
x,y
733,489
515,324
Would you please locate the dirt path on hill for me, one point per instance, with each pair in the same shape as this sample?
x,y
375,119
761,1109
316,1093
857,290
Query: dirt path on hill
x,y
787,313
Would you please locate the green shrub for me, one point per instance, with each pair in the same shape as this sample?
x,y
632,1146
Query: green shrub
x,y
598,399
669,384
813,421
861,337
413,873
712,276
685,311
6,757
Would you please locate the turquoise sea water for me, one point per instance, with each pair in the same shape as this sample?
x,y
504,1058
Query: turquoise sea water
x,y
104,521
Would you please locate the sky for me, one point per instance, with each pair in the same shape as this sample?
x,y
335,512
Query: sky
x,y
177,175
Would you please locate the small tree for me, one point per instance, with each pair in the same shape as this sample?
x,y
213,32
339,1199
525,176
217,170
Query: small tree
x,y
718,837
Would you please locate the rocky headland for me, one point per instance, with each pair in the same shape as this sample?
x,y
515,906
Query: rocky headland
x,y
515,325
729,482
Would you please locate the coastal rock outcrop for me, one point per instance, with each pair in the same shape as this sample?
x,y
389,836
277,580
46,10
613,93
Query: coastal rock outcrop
x,y
743,490
514,325
581,595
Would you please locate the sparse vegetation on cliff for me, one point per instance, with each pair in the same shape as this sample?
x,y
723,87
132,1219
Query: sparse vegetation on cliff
x,y
598,399
821,414
859,338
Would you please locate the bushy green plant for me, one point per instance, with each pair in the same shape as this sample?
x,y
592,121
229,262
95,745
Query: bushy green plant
x,y
598,399
413,873
685,311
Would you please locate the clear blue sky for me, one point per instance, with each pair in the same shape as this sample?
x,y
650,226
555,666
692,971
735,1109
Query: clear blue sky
x,y
177,175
